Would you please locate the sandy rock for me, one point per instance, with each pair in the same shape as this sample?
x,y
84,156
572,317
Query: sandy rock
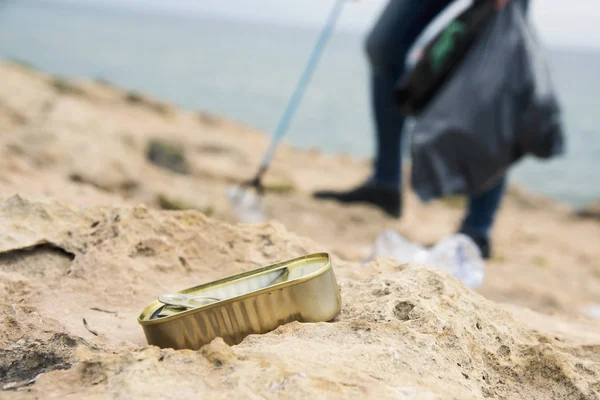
x,y
404,330
591,211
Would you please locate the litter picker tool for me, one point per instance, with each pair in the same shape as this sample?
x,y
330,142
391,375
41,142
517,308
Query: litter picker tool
x,y
292,105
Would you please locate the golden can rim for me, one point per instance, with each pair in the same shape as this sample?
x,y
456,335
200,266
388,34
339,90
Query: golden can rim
x,y
150,309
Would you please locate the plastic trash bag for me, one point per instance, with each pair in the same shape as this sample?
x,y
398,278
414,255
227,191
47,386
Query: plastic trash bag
x,y
458,255
497,107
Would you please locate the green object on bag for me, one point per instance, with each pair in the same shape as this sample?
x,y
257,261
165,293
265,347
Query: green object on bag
x,y
443,56
446,44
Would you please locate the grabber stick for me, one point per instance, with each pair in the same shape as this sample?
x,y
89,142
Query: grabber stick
x,y
296,97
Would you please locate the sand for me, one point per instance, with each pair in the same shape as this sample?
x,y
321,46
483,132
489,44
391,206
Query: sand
x,y
92,229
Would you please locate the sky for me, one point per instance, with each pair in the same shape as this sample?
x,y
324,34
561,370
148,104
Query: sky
x,y
573,23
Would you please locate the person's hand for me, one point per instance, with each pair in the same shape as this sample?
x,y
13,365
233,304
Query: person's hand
x,y
500,4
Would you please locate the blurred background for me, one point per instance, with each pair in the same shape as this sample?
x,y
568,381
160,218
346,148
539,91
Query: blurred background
x,y
242,58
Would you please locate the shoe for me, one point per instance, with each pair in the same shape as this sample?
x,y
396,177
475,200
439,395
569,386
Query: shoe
x,y
483,242
389,200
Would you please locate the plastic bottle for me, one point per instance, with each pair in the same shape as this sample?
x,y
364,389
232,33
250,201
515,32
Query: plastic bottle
x,y
391,244
458,255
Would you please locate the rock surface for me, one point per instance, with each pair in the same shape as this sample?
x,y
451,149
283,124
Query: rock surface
x,y
77,243
405,330
591,211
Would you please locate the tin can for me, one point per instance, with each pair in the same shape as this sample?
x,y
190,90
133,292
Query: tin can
x,y
303,289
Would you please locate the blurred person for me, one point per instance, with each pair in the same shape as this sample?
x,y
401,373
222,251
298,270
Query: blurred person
x,y
387,46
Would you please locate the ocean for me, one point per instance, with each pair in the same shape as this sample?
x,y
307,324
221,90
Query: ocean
x,y
246,71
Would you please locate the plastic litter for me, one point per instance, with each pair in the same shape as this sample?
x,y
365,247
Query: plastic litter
x,y
247,205
458,255
592,311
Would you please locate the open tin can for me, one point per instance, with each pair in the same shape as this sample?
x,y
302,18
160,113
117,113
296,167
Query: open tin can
x,y
303,289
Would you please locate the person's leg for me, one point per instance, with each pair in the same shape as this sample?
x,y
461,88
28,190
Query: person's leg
x,y
389,122
482,208
481,212
387,45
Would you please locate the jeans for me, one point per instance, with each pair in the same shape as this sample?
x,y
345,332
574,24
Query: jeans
x,y
387,46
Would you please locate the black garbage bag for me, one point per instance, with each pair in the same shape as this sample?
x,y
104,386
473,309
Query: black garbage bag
x,y
497,107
